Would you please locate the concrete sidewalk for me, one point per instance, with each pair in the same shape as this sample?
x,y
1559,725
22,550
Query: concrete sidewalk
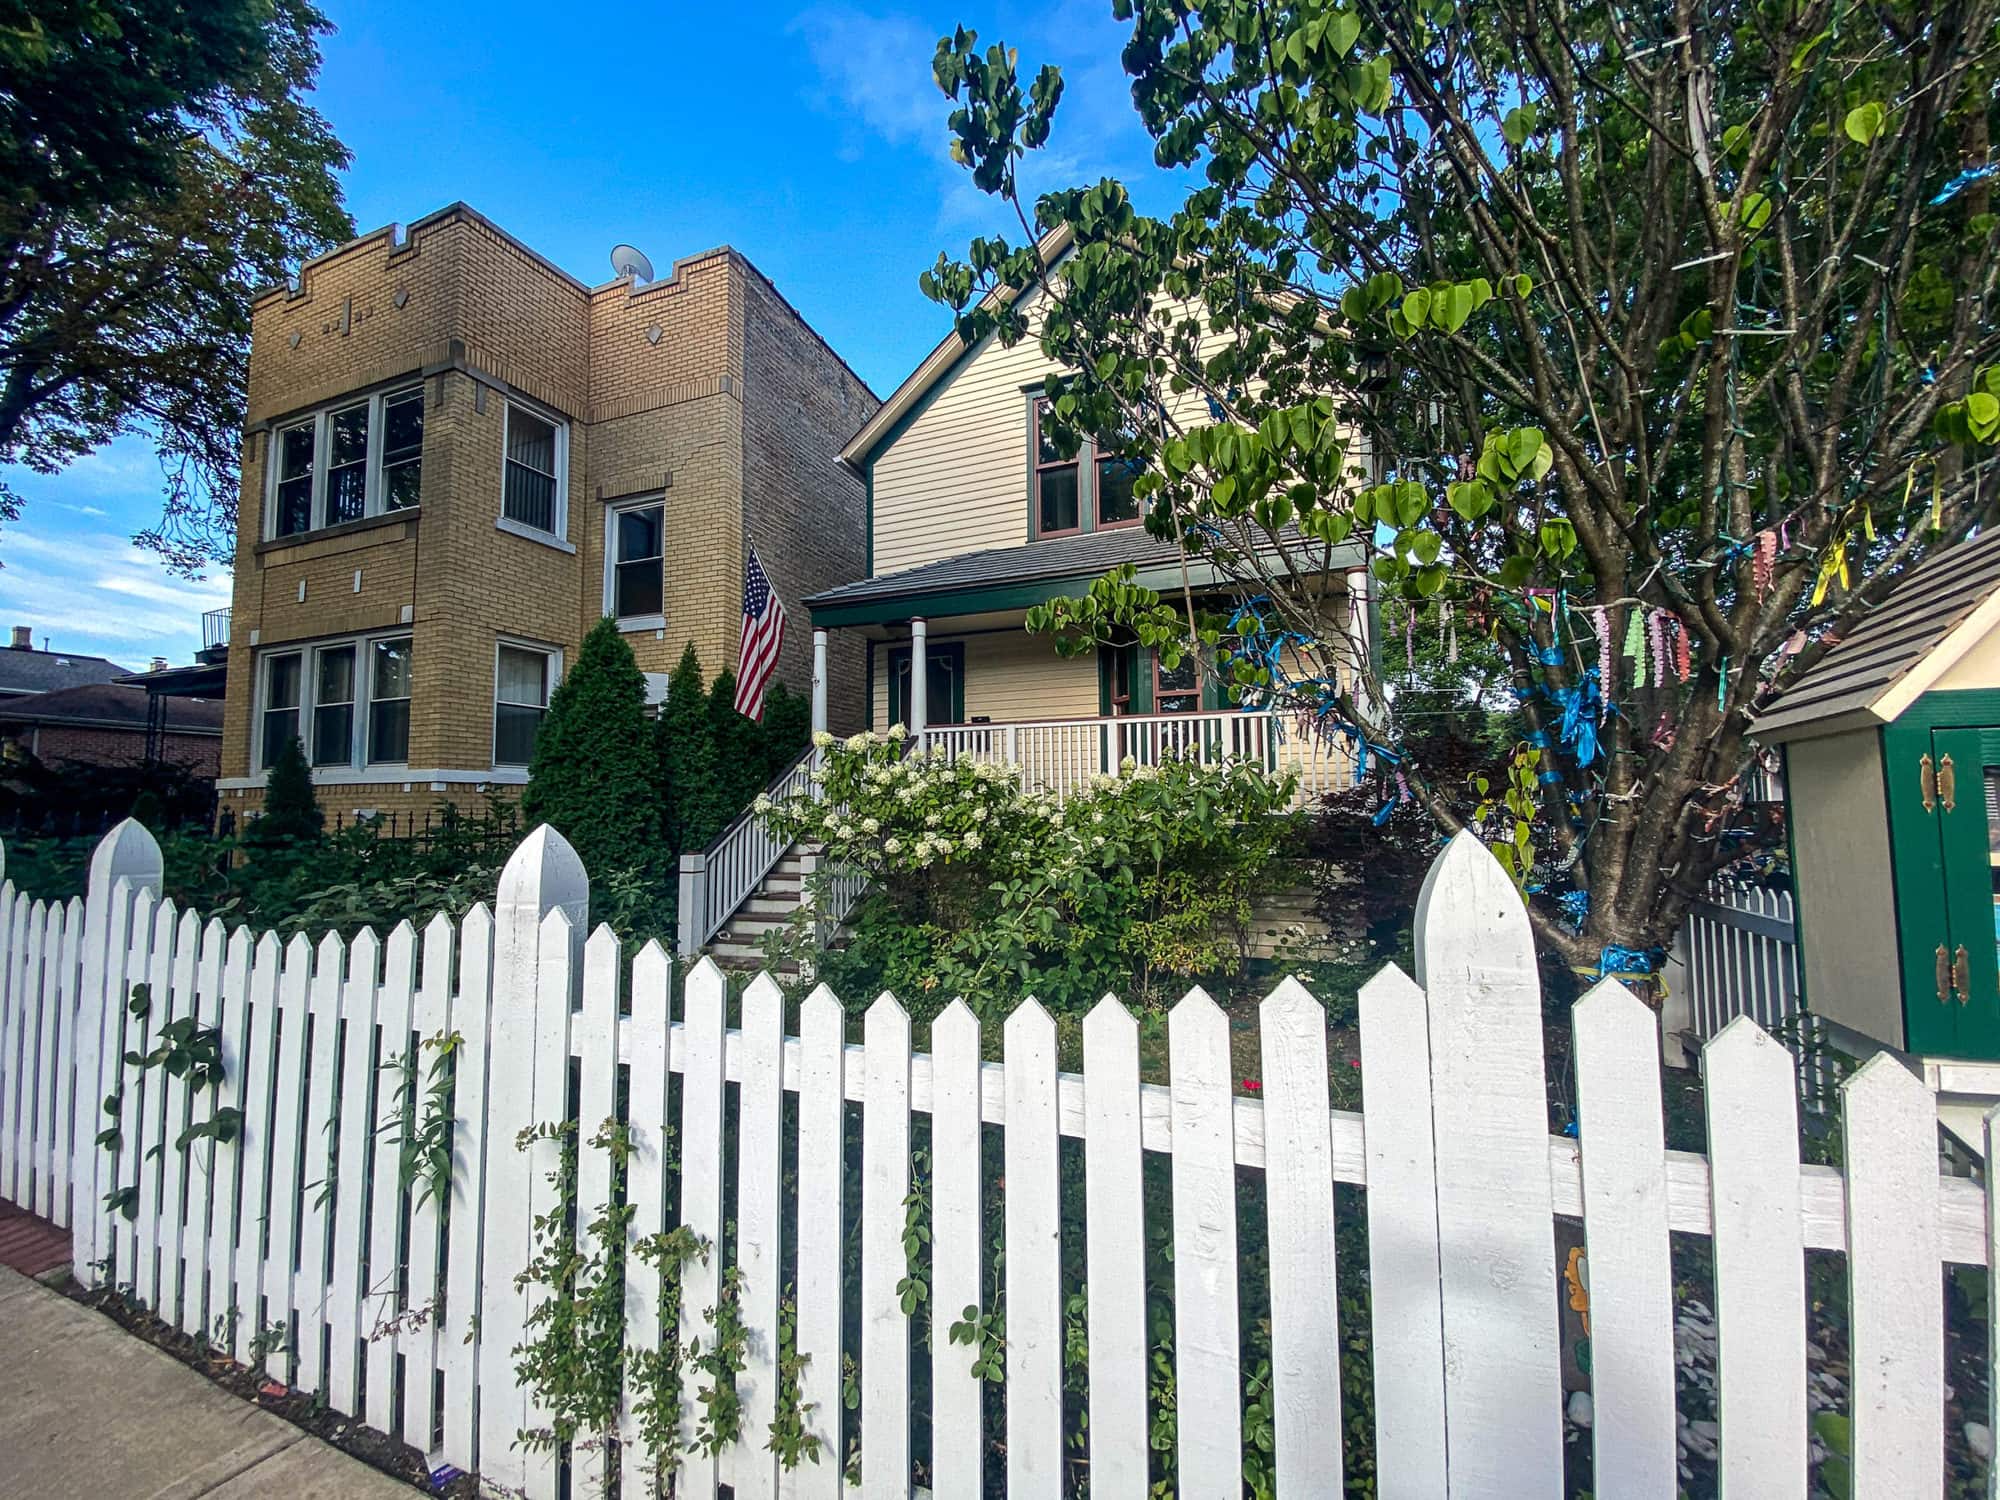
x,y
88,1409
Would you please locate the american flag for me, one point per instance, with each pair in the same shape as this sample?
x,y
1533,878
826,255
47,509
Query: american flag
x,y
763,638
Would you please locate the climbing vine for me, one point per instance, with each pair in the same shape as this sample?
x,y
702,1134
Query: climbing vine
x,y
185,1050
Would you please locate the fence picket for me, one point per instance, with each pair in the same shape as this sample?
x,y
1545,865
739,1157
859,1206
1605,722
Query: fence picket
x,y
226,1188
25,1053
49,1050
1404,1309
425,1198
1897,1318
885,1184
288,1151
355,1130
260,1075
1033,1212
318,1175
646,1026
199,1159
1496,1241
1619,1117
759,1230
1207,1373
958,1246
11,1008
702,998
1760,1297
62,1077
172,1206
555,997
462,1346
593,1041
1114,1253
129,1084
156,1088
1298,1191
395,1070
822,1221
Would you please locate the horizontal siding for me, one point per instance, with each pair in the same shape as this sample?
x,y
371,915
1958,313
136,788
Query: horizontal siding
x,y
956,479
1009,677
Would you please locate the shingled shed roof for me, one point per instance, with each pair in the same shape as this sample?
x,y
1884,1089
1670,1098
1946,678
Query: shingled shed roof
x,y
1945,607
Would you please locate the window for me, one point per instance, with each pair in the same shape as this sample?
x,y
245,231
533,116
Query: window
x,y
389,702
520,698
1116,504
531,495
636,547
281,704
402,449
1176,690
295,478
333,707
944,684
362,459
1057,497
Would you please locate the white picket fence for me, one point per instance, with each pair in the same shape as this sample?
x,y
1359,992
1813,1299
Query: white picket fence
x,y
302,1218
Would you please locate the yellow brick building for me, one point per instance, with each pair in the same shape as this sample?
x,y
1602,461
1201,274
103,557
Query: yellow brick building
x,y
459,457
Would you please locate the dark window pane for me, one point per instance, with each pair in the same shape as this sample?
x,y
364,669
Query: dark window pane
x,y
1058,488
1177,690
392,669
1046,451
389,731
530,498
523,677
281,727
295,454
530,441
295,505
282,683
402,484
348,436
346,492
514,729
639,533
637,588
403,425
1115,500
333,734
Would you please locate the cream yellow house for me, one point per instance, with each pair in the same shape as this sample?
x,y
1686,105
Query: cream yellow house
x,y
974,517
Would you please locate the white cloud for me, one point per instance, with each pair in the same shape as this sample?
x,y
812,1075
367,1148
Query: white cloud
x,y
95,593
875,72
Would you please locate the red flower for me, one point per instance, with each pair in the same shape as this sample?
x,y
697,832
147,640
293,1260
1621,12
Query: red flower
x,y
1252,1085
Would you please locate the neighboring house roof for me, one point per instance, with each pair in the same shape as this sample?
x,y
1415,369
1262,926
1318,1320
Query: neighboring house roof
x,y
998,578
202,680
939,363
24,670
111,705
1944,607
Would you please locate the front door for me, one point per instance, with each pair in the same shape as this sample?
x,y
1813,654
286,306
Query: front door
x,y
1951,953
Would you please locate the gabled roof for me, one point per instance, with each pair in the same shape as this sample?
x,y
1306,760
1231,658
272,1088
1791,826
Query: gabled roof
x,y
111,705
939,363
30,671
1944,607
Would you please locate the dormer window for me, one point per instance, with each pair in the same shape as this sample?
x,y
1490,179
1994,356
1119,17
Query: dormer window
x,y
1089,490
1058,493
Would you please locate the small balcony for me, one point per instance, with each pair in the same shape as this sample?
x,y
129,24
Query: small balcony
x,y
214,636
1062,756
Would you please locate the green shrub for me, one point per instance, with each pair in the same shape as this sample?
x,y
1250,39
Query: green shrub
x,y
291,814
1137,883
594,777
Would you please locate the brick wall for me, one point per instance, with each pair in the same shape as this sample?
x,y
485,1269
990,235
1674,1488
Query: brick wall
x,y
703,387
54,744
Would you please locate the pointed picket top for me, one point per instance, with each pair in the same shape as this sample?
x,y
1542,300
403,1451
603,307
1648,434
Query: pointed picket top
x,y
1608,999
707,974
887,1007
955,1020
364,955
1290,998
1108,1023
1030,1020
1744,1045
402,947
1885,1083
128,852
558,930
269,949
651,969
763,994
1388,987
331,951
821,1006
1468,908
1198,1006
214,936
238,948
604,949
298,950
544,872
440,928
478,912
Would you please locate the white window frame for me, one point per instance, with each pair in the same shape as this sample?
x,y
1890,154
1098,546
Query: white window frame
x,y
551,675
367,683
321,421
559,536
611,515
308,653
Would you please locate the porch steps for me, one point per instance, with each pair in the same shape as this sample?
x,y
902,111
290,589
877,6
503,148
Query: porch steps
x,y
740,942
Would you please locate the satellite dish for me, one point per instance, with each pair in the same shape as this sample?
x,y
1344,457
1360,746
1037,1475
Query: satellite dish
x,y
627,261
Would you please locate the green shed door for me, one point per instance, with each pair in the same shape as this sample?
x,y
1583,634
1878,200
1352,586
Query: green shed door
x,y
1948,837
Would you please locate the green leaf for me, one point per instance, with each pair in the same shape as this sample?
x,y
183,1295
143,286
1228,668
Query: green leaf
x,y
1523,284
1523,443
1425,546
1417,307
1343,31
1754,209
1469,499
1982,415
1519,124
1516,571
1864,122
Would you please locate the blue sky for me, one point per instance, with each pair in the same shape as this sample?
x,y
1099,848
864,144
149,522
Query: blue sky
x,y
810,137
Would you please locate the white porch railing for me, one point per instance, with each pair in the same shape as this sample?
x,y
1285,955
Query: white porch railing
x,y
1061,756
715,882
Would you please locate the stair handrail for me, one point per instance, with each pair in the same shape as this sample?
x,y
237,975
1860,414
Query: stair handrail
x,y
718,880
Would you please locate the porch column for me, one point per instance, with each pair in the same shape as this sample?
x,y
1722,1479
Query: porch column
x,y
919,679
1358,627
819,681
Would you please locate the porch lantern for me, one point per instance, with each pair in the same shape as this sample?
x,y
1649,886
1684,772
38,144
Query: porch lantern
x,y
1891,746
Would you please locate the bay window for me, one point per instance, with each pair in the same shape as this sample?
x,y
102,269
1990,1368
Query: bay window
x,y
348,700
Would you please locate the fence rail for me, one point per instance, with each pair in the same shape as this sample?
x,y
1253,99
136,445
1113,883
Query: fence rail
x,y
403,1309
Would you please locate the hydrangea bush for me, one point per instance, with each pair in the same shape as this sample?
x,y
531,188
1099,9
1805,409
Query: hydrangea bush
x,y
1138,883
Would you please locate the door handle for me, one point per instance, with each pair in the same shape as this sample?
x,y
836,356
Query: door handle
x,y
1943,975
1947,781
1961,975
1927,782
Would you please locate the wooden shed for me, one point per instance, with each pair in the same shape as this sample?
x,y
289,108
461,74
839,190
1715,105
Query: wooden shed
x,y
1892,775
